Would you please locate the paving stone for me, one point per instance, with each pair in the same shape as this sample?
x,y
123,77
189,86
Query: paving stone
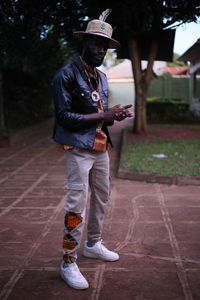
x,y
24,216
121,214
190,250
147,214
147,200
47,285
120,200
12,261
50,201
190,214
154,227
49,251
159,249
194,279
180,190
42,191
60,218
19,233
6,201
184,200
185,231
115,231
11,192
146,284
4,277
148,239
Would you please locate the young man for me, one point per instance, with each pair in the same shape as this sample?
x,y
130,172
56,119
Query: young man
x,y
82,117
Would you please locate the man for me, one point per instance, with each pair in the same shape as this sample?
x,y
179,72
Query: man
x,y
82,117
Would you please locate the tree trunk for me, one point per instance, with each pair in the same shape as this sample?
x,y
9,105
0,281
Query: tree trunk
x,y
2,116
142,81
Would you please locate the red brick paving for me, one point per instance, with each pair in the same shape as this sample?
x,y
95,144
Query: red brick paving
x,y
155,228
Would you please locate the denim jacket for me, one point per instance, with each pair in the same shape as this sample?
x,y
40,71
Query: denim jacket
x,y
72,100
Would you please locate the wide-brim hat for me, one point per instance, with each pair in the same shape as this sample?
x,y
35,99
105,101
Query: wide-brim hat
x,y
98,28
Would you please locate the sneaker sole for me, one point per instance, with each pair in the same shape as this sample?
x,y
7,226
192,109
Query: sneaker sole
x,y
97,257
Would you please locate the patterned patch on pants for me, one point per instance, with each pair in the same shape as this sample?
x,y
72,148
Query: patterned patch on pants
x,y
69,243
67,259
71,221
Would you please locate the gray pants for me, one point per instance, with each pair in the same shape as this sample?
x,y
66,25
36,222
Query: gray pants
x,y
84,169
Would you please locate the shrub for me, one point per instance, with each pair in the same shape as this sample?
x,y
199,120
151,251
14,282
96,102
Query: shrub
x,y
164,109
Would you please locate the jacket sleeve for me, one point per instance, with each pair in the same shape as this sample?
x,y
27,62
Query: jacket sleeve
x,y
62,85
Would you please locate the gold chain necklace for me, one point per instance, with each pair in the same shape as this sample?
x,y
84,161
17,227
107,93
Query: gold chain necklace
x,y
95,93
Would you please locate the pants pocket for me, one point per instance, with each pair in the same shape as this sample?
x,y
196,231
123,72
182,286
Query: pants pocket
x,y
76,197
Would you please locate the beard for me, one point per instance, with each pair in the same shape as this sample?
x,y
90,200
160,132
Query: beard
x,y
92,59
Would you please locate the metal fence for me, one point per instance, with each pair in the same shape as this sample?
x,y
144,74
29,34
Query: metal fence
x,y
170,87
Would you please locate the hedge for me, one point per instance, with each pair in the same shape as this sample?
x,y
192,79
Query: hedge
x,y
163,109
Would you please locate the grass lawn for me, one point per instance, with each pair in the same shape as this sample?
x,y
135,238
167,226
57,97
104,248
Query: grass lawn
x,y
183,157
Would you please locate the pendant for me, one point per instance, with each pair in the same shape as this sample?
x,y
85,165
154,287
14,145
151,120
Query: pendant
x,y
95,96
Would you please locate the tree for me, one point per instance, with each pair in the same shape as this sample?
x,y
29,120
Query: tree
x,y
35,41
134,21
34,35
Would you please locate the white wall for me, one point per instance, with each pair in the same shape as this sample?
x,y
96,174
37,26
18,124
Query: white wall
x,y
121,92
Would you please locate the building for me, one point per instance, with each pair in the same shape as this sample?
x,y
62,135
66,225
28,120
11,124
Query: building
x,y
121,82
192,55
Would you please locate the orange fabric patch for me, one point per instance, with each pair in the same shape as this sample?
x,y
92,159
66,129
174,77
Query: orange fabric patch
x,y
71,221
67,259
100,143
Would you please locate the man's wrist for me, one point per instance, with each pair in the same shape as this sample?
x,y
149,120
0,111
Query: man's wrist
x,y
101,116
96,117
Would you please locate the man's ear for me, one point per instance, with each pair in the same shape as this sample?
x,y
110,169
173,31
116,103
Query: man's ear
x,y
84,45
85,41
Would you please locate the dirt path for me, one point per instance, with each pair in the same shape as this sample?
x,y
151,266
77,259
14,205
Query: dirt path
x,y
162,132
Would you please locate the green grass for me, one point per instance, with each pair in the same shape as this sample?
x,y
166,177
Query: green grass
x,y
183,157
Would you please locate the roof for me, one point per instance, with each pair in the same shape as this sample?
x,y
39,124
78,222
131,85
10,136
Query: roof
x,y
176,70
124,69
192,54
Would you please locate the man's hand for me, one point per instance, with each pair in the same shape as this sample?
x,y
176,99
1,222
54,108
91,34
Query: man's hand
x,y
118,113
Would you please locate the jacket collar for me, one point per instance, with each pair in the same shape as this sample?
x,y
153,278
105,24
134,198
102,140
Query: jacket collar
x,y
79,65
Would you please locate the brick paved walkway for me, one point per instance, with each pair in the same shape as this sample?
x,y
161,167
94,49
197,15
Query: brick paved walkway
x,y
155,228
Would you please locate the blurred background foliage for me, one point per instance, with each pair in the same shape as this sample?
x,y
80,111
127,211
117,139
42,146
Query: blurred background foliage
x,y
35,39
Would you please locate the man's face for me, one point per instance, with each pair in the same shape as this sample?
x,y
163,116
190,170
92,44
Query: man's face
x,y
94,50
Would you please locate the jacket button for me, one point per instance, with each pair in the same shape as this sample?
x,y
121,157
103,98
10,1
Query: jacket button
x,y
82,94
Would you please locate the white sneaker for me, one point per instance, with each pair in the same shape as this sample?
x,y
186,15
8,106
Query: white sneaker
x,y
99,251
73,277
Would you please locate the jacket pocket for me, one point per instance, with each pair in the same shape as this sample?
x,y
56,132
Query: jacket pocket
x,y
82,94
